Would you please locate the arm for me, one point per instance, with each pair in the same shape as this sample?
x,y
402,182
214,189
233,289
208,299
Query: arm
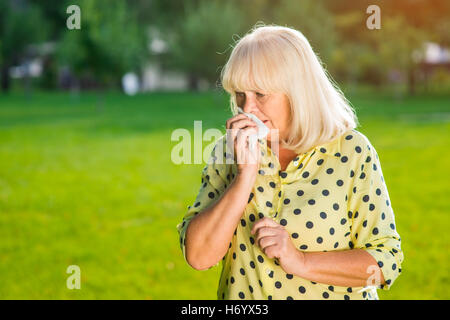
x,y
348,268
209,233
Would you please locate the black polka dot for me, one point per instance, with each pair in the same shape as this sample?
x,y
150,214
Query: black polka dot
x,y
241,295
319,239
272,184
323,215
260,259
260,215
366,198
252,264
319,162
250,288
297,211
343,221
232,279
269,204
344,159
260,189
371,207
358,149
352,173
340,183
243,223
283,222
250,197
242,271
335,206
252,217
325,295
278,284
315,181
309,224
283,174
311,202
295,235
378,191
305,174
348,137
242,246
375,231
300,193
301,289
331,230
325,192
303,247
330,170
286,201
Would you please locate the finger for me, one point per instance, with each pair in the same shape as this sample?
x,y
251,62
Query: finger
x,y
264,232
266,242
264,222
240,123
233,119
243,144
272,252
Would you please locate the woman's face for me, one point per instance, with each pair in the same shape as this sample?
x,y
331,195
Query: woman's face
x,y
273,109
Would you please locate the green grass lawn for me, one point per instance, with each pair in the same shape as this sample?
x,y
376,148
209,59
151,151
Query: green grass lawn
x,y
92,184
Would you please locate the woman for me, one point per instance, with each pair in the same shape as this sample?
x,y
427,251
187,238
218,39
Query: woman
x,y
311,220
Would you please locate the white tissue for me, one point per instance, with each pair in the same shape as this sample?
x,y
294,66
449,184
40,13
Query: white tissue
x,y
263,130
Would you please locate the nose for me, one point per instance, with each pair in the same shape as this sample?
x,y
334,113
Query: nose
x,y
250,105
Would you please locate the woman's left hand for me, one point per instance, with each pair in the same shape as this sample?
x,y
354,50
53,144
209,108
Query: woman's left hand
x,y
276,242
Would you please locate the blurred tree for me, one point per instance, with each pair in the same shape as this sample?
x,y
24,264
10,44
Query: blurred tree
x,y
202,37
21,24
395,45
311,18
109,44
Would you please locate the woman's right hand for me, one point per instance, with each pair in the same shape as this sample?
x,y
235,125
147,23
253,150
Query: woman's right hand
x,y
241,128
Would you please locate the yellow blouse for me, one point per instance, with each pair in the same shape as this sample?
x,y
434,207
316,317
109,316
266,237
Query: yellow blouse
x,y
330,198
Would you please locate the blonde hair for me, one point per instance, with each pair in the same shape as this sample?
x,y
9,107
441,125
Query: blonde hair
x,y
271,58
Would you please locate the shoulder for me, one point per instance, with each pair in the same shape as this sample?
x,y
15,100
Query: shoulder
x,y
355,144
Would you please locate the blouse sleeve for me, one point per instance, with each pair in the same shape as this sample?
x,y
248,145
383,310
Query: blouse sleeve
x,y
373,220
215,177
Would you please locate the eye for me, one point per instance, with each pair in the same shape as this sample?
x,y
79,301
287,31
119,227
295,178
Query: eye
x,y
260,94
240,94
